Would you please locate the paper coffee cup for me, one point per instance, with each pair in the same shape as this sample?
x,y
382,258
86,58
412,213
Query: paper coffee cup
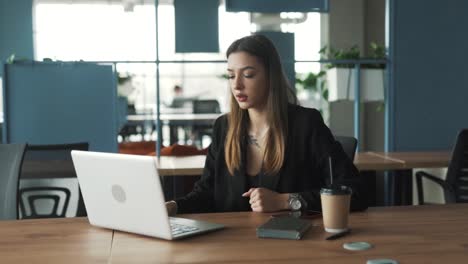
x,y
335,208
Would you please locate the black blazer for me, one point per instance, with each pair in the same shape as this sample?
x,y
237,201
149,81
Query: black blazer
x,y
305,169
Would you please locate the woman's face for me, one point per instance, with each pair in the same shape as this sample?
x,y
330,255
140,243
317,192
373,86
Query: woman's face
x,y
247,80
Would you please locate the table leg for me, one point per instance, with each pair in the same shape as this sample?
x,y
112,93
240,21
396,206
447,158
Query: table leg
x,y
173,134
406,177
370,178
400,188
389,188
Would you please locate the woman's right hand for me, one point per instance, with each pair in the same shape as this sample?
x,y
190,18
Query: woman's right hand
x,y
171,207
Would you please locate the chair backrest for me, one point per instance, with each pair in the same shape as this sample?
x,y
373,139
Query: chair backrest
x,y
457,173
42,163
349,145
208,106
30,196
11,159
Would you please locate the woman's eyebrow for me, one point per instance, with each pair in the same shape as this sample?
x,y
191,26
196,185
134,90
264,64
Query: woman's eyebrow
x,y
243,68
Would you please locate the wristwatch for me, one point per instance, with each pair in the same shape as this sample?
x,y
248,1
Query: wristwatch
x,y
295,202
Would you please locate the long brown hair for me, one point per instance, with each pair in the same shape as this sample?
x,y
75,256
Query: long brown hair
x,y
279,95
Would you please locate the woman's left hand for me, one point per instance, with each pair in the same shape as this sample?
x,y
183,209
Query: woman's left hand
x,y
265,200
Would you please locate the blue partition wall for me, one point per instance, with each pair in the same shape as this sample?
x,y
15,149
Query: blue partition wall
x,y
16,30
284,43
54,103
429,86
196,26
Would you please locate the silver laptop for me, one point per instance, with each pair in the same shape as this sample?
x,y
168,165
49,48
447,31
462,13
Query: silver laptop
x,y
123,192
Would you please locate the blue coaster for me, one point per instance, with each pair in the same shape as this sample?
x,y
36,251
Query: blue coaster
x,y
357,246
381,261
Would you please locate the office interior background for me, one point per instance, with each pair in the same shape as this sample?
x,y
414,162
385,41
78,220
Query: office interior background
x,y
415,102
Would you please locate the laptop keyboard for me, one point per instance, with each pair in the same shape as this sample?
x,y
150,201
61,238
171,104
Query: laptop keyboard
x,y
178,229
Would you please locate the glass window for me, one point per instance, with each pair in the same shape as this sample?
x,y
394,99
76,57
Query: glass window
x,y
111,31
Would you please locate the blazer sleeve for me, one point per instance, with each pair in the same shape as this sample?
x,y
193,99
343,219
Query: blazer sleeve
x,y
201,198
345,173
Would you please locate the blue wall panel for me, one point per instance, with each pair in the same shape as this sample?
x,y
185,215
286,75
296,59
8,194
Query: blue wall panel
x,y
284,43
430,74
276,6
16,31
196,25
54,103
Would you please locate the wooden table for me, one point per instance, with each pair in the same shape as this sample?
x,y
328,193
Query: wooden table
x,y
411,160
399,186
408,234
66,240
176,166
193,165
398,191
174,121
364,161
186,118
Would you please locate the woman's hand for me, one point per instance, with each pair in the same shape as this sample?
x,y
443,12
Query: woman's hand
x,y
171,207
265,200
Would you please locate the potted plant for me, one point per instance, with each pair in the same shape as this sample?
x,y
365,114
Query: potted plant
x,y
341,85
312,89
341,78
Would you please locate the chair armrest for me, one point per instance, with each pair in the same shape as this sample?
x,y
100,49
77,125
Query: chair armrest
x,y
448,189
433,178
442,183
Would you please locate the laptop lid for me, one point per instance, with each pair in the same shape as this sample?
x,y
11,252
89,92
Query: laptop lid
x,y
122,192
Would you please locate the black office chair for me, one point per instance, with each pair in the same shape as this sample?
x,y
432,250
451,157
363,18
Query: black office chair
x,y
208,106
35,194
49,163
11,159
455,185
130,128
349,145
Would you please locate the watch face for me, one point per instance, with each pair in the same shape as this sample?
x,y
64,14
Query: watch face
x,y
295,204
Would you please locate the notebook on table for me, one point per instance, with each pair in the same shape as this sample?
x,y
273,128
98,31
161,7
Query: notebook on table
x,y
287,227
123,192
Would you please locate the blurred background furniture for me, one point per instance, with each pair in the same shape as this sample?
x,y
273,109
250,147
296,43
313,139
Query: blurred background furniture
x,y
11,159
209,106
48,182
172,157
455,185
137,148
60,102
349,145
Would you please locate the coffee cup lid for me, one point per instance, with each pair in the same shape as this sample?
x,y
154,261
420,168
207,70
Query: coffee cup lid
x,y
336,190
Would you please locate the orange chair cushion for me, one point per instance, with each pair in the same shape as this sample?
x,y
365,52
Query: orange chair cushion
x,y
181,150
137,148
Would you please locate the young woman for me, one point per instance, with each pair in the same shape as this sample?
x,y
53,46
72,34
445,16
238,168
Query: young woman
x,y
268,154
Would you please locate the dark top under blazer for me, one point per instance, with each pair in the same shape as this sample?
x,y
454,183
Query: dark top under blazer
x,y
304,171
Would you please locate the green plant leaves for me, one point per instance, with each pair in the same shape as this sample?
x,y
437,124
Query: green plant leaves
x,y
376,52
311,81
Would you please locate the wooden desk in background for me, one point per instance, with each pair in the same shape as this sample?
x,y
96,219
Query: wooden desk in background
x,y
411,160
408,234
174,121
364,161
400,184
367,162
399,187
